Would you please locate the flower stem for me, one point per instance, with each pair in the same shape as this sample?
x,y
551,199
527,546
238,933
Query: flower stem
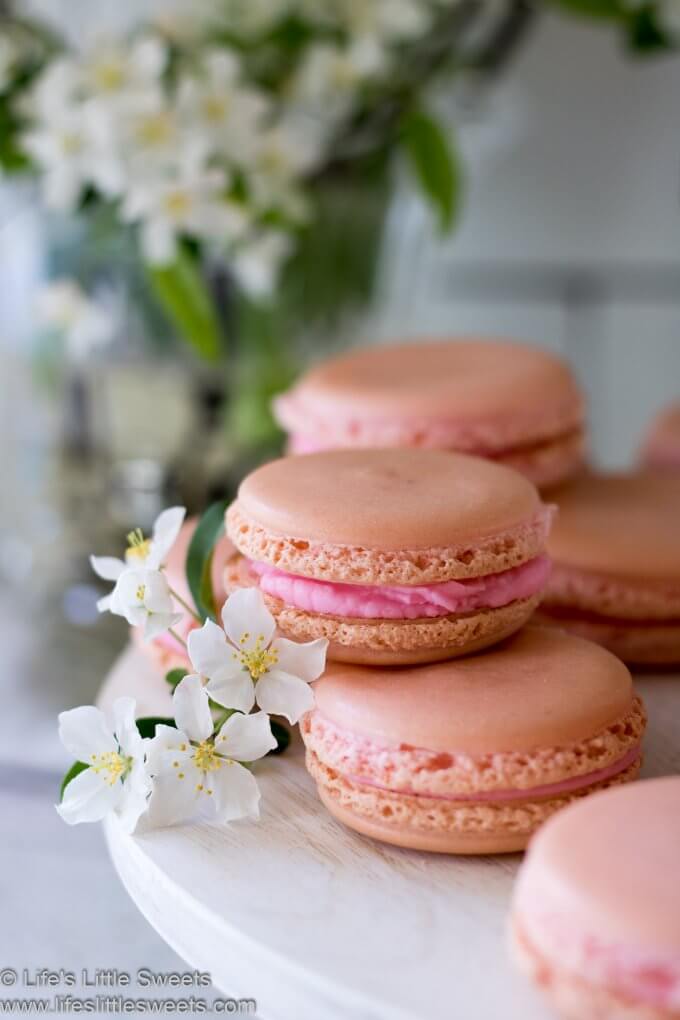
x,y
185,605
171,630
222,718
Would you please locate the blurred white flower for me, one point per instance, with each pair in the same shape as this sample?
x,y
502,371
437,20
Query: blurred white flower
x,y
386,20
194,771
284,153
257,264
247,664
187,199
248,17
83,323
120,73
225,114
143,597
669,17
330,77
115,781
142,551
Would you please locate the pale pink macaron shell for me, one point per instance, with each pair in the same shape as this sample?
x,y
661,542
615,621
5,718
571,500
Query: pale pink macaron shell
x,y
596,910
615,544
471,395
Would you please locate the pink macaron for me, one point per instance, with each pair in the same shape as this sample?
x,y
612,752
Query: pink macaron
x,y
596,913
661,446
471,756
395,556
511,403
615,546
165,651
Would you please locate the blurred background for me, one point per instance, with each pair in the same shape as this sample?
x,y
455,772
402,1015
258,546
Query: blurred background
x,y
192,213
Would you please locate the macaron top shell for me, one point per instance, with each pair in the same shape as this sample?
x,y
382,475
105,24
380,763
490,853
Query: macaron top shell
x,y
609,868
621,525
460,380
387,499
540,688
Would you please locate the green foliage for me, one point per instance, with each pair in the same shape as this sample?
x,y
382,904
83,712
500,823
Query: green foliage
x,y
181,289
147,725
75,770
199,559
175,676
435,164
282,737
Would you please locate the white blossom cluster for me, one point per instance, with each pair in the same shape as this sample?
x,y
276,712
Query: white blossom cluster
x,y
196,767
188,144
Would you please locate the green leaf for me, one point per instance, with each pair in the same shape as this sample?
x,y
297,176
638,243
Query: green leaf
x,y
147,725
435,164
282,737
612,10
75,770
199,559
175,676
181,290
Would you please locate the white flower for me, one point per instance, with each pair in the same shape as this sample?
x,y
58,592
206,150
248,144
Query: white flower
x,y
189,199
61,147
83,323
257,263
247,665
227,115
329,81
192,771
143,597
119,73
386,20
141,551
284,153
116,779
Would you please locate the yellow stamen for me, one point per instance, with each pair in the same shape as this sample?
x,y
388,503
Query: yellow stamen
x,y
206,758
259,659
138,546
111,765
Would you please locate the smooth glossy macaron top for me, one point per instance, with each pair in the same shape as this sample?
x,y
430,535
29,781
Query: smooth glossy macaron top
x,y
540,688
387,499
624,526
607,868
461,380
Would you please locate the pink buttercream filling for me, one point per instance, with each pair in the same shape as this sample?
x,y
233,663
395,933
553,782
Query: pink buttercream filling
x,y
403,602
533,792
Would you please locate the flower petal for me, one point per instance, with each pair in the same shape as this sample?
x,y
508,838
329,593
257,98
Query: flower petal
x,y
125,727
173,799
89,798
134,803
233,691
107,567
84,731
306,661
158,623
245,613
165,532
235,792
279,693
165,747
157,597
192,709
104,604
246,737
210,652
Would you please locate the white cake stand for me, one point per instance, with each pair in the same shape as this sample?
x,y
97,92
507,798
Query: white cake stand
x,y
317,923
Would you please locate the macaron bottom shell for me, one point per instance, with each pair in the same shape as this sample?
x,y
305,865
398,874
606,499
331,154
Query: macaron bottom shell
x,y
438,826
572,997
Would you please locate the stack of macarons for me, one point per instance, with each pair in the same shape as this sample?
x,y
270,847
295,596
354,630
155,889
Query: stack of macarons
x,y
408,561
